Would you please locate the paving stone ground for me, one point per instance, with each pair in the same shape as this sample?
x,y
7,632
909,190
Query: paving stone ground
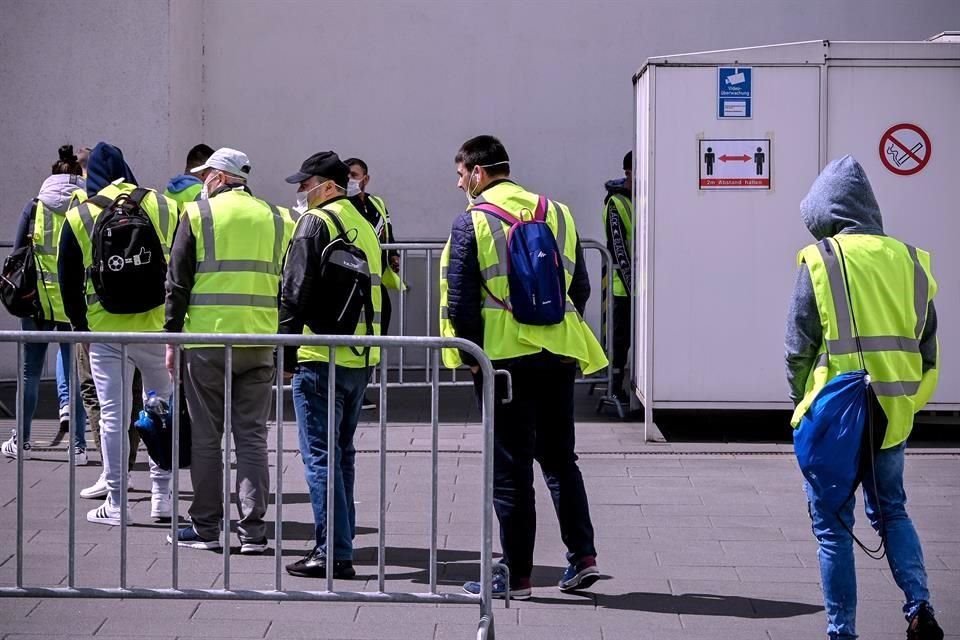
x,y
696,541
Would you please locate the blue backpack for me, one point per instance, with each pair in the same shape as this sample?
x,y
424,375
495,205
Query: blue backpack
x,y
535,275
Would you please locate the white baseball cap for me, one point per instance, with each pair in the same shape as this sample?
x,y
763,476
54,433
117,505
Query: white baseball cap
x,y
228,160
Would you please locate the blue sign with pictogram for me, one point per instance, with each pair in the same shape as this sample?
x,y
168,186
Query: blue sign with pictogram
x,y
734,92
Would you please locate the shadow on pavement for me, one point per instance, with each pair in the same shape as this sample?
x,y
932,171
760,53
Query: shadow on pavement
x,y
700,604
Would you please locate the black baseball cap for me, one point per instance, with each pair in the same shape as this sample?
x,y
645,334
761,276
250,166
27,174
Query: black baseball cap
x,y
325,164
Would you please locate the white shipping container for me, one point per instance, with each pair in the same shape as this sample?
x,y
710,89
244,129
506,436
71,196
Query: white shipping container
x,y
719,228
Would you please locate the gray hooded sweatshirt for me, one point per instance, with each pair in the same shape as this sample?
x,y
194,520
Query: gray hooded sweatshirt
x,y
840,201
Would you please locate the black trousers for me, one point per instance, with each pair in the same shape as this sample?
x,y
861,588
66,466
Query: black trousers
x,y
621,339
537,425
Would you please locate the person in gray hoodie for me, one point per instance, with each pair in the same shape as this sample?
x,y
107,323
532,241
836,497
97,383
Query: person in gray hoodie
x,y
841,203
57,193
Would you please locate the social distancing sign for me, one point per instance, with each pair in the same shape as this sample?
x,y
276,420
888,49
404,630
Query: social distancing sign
x,y
735,163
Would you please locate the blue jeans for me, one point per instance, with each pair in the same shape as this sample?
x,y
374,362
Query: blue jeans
x,y
34,357
310,403
837,571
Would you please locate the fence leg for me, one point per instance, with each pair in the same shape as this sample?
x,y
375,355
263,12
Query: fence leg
x,y
20,454
72,482
382,522
434,355
331,458
227,435
278,527
175,470
124,461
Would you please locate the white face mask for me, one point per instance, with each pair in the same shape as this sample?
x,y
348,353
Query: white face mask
x,y
476,175
353,187
205,189
303,202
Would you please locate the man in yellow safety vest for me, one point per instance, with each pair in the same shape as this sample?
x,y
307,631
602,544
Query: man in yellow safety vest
x,y
860,291
542,359
224,277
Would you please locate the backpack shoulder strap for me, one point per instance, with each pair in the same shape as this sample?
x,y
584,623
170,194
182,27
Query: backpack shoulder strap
x,y
100,201
540,213
335,219
137,195
497,212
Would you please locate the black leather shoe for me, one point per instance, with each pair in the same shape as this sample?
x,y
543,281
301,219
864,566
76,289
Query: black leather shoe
x,y
923,626
314,565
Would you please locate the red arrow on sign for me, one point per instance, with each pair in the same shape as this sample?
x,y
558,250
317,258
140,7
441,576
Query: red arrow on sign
x,y
726,158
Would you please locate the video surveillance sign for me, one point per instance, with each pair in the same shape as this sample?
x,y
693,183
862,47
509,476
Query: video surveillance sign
x,y
734,92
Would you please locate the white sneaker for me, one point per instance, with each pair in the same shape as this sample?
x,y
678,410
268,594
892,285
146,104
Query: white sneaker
x,y
64,418
107,514
99,488
161,505
80,456
9,447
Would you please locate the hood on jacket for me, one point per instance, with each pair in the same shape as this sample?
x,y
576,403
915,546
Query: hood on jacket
x,y
182,182
105,165
55,192
841,200
618,186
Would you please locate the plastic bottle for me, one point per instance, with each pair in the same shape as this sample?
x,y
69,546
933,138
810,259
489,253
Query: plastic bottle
x,y
156,406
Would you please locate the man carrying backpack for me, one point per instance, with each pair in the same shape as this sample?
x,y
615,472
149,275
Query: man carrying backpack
x,y
864,300
331,285
224,277
521,300
112,268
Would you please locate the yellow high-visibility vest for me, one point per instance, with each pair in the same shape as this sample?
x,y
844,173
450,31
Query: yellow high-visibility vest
x,y
503,336
363,237
240,244
624,209
162,212
47,225
891,286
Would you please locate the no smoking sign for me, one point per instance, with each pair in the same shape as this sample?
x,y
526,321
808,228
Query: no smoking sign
x,y
905,149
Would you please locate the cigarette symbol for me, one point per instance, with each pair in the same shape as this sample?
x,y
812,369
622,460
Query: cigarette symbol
x,y
899,157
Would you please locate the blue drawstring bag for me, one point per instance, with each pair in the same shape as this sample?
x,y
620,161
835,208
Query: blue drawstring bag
x,y
829,440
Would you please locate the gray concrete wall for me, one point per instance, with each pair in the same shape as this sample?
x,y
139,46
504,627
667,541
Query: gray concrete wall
x,y
399,83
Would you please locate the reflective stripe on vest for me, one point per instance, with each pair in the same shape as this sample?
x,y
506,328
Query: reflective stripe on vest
x,y
499,232
211,264
45,236
366,240
238,263
391,279
624,208
879,268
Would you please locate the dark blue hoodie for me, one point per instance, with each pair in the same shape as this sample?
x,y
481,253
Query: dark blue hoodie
x,y
840,201
106,164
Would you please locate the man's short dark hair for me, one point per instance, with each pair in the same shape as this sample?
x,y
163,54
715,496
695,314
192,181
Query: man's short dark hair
x,y
628,161
357,162
484,151
198,155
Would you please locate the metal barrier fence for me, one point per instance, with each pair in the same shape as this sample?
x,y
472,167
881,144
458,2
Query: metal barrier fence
x,y
124,590
428,249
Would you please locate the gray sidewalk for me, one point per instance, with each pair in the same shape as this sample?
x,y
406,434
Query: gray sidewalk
x,y
697,541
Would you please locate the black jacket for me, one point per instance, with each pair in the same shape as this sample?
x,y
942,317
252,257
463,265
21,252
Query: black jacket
x,y
464,283
310,238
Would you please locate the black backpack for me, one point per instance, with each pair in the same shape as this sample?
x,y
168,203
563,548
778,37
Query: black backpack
x,y
18,280
129,270
346,288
